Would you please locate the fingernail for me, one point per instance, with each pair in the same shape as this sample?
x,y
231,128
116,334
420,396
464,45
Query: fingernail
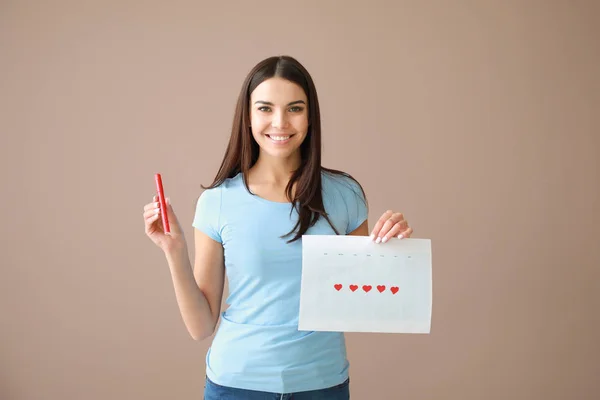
x,y
400,236
385,239
378,240
372,236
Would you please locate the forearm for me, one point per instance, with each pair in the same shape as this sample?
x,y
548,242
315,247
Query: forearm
x,y
193,305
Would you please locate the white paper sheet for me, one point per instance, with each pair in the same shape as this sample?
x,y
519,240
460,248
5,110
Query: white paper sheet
x,y
392,285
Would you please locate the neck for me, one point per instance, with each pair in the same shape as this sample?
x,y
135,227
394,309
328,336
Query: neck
x,y
275,170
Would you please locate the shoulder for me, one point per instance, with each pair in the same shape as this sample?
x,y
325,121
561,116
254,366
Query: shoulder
x,y
213,196
228,184
344,199
341,183
209,208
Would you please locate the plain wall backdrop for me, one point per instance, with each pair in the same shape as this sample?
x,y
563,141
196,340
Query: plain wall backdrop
x,y
478,120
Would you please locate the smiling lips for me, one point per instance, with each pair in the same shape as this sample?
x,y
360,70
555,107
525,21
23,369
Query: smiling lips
x,y
279,139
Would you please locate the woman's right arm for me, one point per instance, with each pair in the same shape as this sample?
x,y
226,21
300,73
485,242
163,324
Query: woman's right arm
x,y
198,290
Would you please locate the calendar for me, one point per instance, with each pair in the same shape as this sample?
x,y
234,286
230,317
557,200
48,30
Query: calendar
x,y
352,284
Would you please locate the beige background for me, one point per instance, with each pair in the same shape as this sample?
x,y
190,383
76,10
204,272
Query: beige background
x,y
478,120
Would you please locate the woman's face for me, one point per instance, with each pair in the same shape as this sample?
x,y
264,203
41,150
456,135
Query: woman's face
x,y
279,116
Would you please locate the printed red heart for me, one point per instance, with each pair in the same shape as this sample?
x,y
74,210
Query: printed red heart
x,y
394,289
381,288
366,288
337,287
353,287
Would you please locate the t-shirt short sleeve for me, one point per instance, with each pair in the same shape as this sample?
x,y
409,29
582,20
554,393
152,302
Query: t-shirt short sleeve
x,y
208,213
356,204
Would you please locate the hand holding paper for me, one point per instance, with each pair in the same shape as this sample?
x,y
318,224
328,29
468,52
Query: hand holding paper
x,y
351,284
391,224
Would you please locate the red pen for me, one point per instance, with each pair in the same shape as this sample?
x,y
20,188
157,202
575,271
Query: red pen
x,y
163,203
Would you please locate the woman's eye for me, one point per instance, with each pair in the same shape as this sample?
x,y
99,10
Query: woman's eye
x,y
296,109
264,108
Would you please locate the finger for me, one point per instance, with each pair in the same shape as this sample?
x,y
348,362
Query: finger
x,y
396,230
151,213
379,224
383,232
406,234
152,220
393,219
151,206
174,222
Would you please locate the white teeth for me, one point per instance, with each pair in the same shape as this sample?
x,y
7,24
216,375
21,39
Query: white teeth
x,y
279,137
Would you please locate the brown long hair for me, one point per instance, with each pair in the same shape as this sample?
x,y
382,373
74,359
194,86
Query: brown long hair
x,y
242,150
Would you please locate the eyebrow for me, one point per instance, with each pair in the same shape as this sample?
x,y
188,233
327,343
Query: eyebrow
x,y
270,104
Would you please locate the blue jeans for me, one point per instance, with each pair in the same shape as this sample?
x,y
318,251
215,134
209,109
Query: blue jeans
x,y
213,391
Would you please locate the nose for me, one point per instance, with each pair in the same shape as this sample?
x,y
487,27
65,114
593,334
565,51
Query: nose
x,y
279,120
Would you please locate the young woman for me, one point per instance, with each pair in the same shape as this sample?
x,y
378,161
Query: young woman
x,y
269,191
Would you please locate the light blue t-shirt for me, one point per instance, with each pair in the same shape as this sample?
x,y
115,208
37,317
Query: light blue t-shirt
x,y
257,345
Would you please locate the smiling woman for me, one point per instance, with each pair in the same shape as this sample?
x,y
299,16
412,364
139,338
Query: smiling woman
x,y
278,126
270,190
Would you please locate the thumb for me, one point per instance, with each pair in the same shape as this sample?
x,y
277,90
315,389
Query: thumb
x,y
173,222
170,211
